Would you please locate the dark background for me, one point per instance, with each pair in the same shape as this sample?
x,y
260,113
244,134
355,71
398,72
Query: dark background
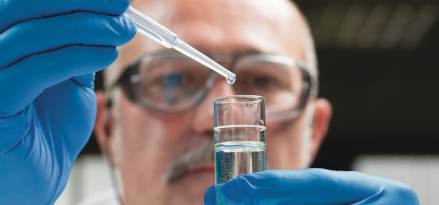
x,y
379,65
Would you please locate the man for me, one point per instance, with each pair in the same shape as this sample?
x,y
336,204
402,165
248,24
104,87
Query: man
x,y
156,123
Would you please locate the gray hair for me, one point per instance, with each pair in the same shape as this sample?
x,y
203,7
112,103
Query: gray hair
x,y
310,55
117,146
311,62
307,138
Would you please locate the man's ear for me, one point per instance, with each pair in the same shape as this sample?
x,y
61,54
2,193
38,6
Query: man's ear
x,y
321,118
103,125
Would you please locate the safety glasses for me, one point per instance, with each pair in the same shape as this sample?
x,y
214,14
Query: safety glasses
x,y
168,81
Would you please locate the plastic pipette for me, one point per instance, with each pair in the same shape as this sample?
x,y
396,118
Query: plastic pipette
x,y
164,36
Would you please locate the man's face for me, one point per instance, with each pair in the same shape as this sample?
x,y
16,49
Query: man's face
x,y
152,141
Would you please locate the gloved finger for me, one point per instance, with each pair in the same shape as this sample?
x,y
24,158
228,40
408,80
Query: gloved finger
x,y
209,196
13,12
61,104
87,80
313,186
24,81
67,98
41,35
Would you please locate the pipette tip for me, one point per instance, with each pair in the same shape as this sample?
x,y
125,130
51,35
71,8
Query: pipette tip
x,y
231,79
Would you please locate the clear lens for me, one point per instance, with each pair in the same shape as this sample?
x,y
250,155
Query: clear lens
x,y
172,82
279,84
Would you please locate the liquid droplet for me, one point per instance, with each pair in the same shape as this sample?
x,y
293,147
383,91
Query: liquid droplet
x,y
231,79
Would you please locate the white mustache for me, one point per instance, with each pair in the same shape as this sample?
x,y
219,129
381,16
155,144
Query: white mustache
x,y
203,153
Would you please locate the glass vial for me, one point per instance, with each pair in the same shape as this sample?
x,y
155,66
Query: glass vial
x,y
239,138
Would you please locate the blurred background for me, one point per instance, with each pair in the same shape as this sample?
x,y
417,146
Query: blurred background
x,y
379,68
379,64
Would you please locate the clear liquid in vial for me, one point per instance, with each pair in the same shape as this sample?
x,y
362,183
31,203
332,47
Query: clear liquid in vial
x,y
235,158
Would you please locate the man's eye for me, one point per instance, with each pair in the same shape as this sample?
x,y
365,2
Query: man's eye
x,y
263,82
172,80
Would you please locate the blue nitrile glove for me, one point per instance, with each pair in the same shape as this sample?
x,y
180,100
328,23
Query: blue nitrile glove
x,y
313,186
49,51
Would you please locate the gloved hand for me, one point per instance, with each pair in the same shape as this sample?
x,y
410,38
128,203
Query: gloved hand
x,y
313,186
49,51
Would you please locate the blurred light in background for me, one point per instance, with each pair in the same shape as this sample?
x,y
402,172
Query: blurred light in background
x,y
419,172
379,27
90,177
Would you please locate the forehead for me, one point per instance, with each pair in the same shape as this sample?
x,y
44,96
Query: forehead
x,y
224,26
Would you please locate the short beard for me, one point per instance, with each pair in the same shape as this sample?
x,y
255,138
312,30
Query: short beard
x,y
188,160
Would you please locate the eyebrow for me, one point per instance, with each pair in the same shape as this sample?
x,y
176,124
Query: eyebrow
x,y
253,51
244,51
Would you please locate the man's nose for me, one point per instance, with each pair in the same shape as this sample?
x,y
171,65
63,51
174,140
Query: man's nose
x,y
203,119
